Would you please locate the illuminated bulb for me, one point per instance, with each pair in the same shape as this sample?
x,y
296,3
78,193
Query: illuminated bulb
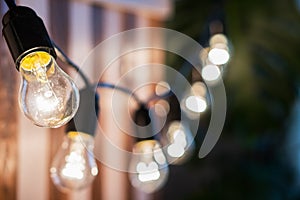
x,y
74,166
195,101
48,96
148,166
218,56
211,73
196,104
180,143
162,88
218,53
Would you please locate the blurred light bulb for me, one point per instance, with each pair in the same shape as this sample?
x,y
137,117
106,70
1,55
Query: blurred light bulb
x,y
48,96
180,143
211,73
219,52
148,166
162,88
218,56
74,166
196,104
195,101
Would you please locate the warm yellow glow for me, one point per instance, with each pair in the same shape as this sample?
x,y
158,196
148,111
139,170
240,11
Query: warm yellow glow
x,y
148,166
47,101
74,167
211,73
35,60
48,96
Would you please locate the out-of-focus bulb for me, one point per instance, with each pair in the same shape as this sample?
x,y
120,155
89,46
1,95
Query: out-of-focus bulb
x,y
74,166
48,96
211,73
196,104
195,101
219,52
148,169
180,141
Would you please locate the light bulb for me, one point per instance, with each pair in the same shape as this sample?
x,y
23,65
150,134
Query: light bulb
x,y
74,166
195,101
218,56
180,143
211,73
219,51
48,96
148,168
196,104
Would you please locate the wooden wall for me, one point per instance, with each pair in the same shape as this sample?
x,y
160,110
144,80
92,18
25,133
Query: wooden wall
x,y
26,151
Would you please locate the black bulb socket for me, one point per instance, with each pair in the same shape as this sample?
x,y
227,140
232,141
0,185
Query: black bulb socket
x,y
86,117
25,33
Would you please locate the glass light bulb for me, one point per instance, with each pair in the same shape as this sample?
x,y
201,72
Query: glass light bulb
x,y
218,56
211,73
181,145
148,166
74,166
195,101
219,51
196,104
48,96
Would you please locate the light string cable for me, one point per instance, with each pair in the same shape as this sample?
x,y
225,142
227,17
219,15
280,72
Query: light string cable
x,y
10,3
64,58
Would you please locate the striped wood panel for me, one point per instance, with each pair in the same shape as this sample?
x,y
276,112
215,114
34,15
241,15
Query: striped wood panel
x,y
8,120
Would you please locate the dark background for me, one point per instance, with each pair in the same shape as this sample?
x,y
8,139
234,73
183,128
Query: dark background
x,y
257,156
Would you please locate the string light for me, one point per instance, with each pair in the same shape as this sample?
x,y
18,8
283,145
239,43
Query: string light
x,y
148,168
48,96
74,166
180,143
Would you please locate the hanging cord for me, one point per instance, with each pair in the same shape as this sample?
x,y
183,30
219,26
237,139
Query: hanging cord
x,y
122,89
10,3
63,57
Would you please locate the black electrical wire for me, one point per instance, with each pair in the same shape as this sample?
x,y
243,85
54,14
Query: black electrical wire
x,y
122,89
10,3
63,57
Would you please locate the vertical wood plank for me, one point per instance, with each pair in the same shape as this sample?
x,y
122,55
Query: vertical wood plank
x,y
114,184
80,38
33,172
59,30
8,122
